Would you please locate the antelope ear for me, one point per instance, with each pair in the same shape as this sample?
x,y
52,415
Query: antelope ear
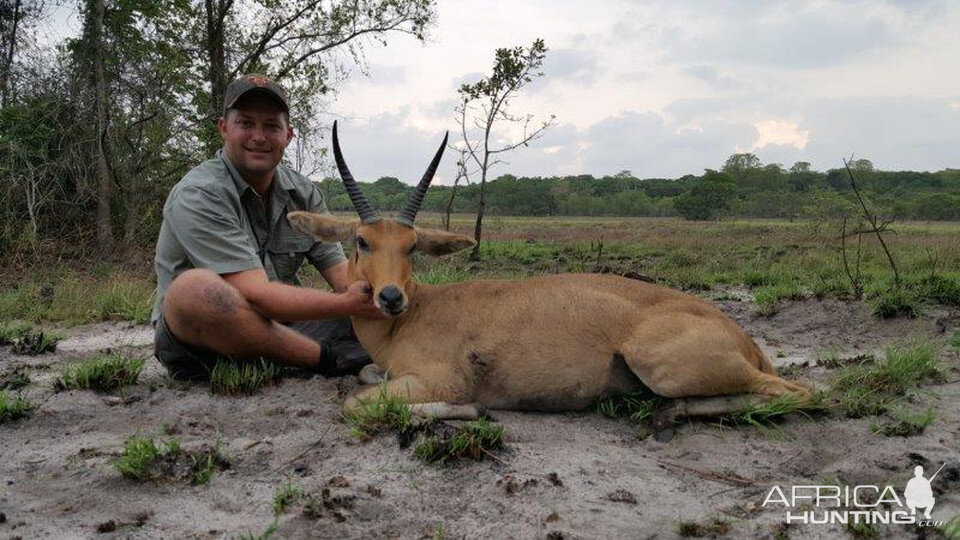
x,y
324,227
436,242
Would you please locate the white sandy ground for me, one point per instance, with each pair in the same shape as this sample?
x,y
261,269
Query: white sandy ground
x,y
57,481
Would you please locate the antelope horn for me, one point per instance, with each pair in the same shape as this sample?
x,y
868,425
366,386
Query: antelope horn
x,y
367,213
409,212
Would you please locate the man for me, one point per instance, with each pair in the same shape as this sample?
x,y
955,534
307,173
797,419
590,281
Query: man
x,y
227,259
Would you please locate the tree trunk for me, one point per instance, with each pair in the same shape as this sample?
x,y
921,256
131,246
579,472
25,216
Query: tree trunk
x,y
446,214
104,180
478,228
5,90
216,11
130,222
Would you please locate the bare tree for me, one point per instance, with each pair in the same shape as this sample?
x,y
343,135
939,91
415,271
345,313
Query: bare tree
x,y
877,226
462,174
486,103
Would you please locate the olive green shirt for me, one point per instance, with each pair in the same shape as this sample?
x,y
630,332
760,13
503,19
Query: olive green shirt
x,y
213,219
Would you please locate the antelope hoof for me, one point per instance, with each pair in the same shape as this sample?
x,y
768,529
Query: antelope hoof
x,y
372,374
664,420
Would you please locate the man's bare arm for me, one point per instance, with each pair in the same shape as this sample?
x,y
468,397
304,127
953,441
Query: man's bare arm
x,y
284,302
337,276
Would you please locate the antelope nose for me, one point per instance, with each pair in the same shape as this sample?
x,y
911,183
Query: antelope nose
x,y
391,299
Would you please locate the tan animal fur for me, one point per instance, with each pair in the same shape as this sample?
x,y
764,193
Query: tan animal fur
x,y
550,343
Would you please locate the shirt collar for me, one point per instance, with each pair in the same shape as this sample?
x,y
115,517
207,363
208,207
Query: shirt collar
x,y
280,179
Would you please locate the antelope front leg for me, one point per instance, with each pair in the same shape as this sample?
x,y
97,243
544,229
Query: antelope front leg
x,y
423,400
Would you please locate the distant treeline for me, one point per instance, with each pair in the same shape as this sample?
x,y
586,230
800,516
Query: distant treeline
x,y
743,187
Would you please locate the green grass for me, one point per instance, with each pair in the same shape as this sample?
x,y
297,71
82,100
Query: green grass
x,y
206,463
905,423
62,295
14,381
140,453
13,407
864,530
237,378
284,497
34,342
381,411
637,407
765,414
10,331
143,459
870,388
955,340
951,530
103,373
472,439
768,298
270,531
896,303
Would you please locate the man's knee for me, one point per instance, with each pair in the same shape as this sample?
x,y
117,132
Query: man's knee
x,y
200,296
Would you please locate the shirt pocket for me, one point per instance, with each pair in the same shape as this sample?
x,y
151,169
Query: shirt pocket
x,y
287,255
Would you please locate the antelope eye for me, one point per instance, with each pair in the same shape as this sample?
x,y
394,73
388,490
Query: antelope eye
x,y
362,244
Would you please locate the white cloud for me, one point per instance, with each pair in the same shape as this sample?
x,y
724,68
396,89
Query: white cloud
x,y
780,132
665,88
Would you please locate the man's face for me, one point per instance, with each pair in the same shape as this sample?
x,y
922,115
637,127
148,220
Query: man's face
x,y
255,134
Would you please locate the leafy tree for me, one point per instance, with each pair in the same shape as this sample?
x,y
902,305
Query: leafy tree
x,y
707,199
302,43
739,163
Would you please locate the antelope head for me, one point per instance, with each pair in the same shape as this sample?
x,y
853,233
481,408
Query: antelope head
x,y
383,246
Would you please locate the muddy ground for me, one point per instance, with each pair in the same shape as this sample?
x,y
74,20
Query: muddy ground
x,y
574,475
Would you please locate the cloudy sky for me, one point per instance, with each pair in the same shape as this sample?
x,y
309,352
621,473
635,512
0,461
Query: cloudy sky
x,y
668,88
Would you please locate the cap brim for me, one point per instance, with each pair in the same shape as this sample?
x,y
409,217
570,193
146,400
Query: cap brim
x,y
266,91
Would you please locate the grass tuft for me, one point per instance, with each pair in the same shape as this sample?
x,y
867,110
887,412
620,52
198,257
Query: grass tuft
x,y
237,378
905,423
143,459
951,530
140,453
868,389
713,528
206,463
955,340
896,303
34,342
13,408
862,529
14,380
472,439
768,297
381,411
284,497
103,373
11,331
765,414
637,406
942,289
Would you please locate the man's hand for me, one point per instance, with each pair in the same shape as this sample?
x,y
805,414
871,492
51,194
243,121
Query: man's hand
x,y
358,301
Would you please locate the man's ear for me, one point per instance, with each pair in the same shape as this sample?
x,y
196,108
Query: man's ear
x,y
324,227
436,242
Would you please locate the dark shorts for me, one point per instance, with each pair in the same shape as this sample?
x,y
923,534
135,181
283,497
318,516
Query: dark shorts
x,y
184,361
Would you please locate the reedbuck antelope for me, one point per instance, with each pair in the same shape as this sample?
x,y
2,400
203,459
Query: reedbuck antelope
x,y
551,343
